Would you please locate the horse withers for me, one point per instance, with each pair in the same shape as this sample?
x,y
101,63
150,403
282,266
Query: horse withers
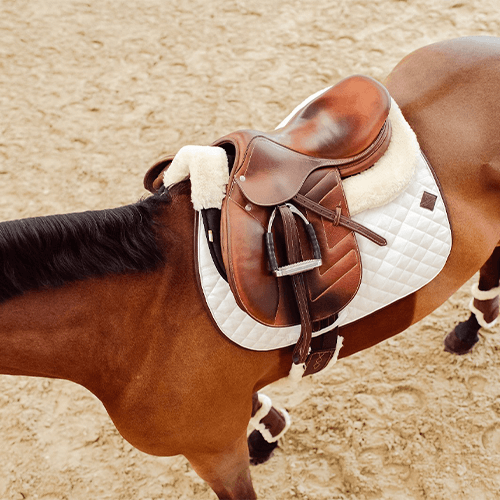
x,y
137,335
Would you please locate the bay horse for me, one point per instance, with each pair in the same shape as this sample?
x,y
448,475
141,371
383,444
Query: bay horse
x,y
109,299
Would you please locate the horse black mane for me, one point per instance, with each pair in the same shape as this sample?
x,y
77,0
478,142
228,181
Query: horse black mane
x,y
47,252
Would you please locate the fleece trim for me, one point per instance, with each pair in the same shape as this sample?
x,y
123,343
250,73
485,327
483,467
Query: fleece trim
x,y
480,316
262,412
390,175
207,167
484,294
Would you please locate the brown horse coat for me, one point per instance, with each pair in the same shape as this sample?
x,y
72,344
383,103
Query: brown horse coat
x,y
144,344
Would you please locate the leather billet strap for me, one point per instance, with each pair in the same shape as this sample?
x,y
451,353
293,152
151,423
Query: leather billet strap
x,y
292,243
211,223
338,219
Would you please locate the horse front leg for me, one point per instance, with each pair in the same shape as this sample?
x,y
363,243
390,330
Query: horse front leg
x,y
484,308
227,472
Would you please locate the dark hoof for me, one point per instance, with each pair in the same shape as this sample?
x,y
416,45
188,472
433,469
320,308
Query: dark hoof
x,y
260,450
454,345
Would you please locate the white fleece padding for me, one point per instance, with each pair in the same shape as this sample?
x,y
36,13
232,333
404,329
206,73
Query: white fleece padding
x,y
295,375
484,294
266,434
265,407
480,316
207,167
335,357
383,182
255,421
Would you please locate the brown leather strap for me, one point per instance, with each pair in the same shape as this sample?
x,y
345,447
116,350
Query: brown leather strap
x,y
324,345
323,349
338,219
292,241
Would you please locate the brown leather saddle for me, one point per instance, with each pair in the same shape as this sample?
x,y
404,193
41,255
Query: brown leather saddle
x,y
287,242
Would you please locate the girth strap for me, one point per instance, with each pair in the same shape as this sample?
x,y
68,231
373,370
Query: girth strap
x,y
323,349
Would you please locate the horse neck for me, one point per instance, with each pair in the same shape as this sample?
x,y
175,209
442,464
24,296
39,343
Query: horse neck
x,y
98,332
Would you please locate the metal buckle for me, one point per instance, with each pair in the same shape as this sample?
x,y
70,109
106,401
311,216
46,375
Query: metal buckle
x,y
298,267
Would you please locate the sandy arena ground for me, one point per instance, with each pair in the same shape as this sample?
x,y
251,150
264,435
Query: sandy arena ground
x,y
91,93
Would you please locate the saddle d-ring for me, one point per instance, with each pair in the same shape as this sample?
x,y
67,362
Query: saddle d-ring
x,y
297,267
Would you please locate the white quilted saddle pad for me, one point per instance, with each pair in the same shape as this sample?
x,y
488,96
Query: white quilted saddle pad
x,y
419,242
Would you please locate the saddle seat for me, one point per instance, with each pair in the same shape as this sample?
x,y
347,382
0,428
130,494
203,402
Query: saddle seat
x,y
345,127
346,122
340,123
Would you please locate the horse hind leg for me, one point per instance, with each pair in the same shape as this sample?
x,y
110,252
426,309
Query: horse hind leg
x,y
484,308
269,424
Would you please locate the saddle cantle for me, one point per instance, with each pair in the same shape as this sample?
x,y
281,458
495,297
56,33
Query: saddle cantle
x,y
299,263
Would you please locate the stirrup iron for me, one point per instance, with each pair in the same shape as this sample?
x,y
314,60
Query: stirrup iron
x,y
297,267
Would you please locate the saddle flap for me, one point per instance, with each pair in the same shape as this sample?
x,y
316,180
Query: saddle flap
x,y
270,300
271,173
